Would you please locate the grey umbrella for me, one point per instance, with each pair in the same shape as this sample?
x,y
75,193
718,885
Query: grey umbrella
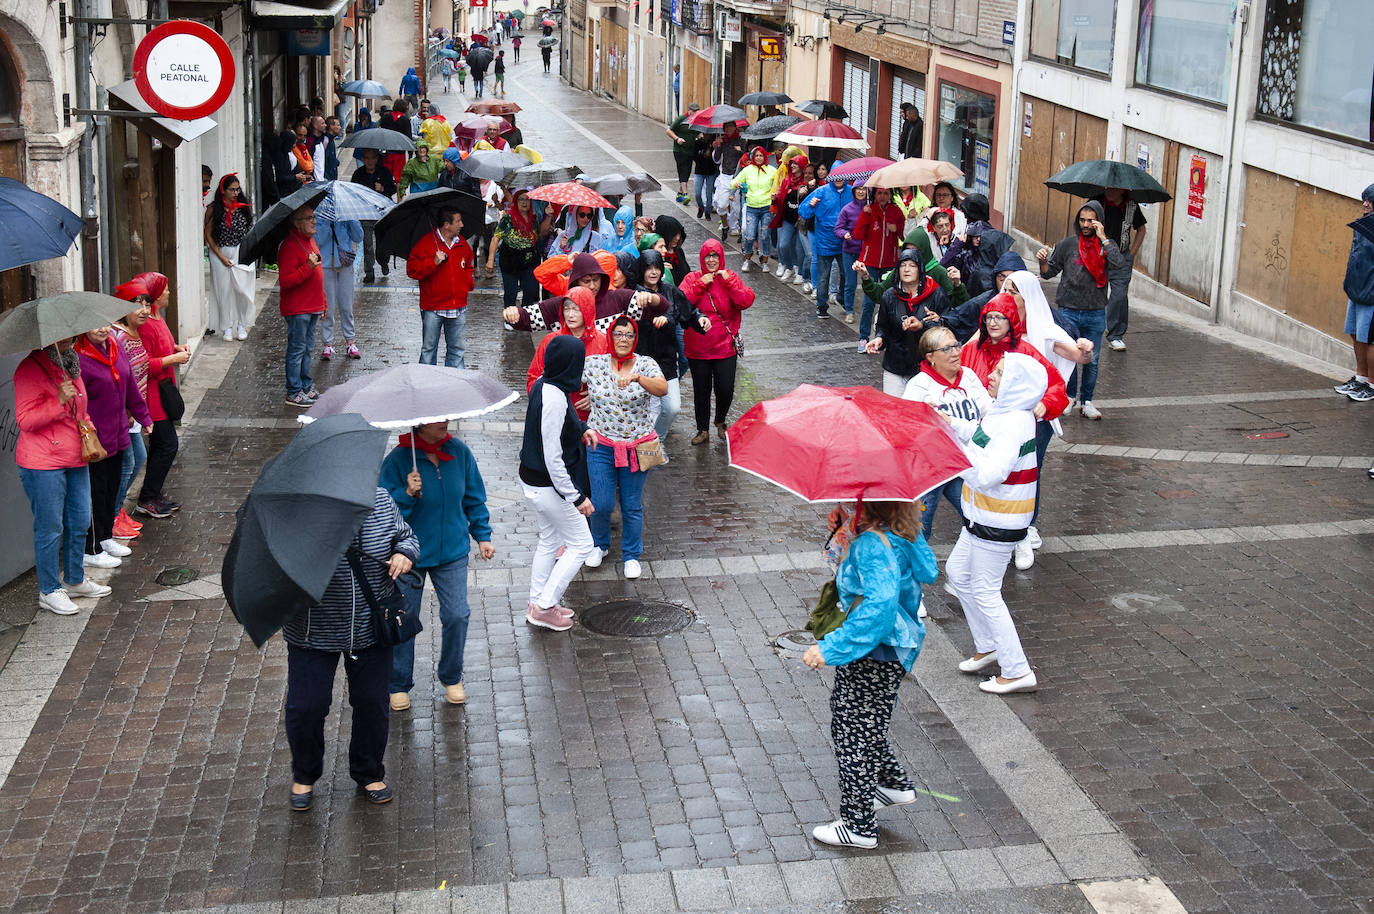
x,y
769,127
382,139
365,88
45,321
617,184
540,174
407,395
267,233
492,163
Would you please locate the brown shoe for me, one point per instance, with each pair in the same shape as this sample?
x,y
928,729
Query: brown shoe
x,y
701,437
400,701
456,694
720,430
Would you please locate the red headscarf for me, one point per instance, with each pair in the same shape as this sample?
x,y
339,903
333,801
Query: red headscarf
x,y
523,224
229,206
155,283
132,289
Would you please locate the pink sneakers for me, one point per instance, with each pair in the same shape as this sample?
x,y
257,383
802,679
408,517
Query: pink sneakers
x,y
353,352
327,353
549,618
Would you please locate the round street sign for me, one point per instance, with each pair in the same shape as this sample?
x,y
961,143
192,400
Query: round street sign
x,y
184,70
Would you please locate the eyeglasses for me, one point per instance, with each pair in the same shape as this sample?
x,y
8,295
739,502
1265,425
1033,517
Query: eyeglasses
x,y
584,215
951,348
997,319
626,335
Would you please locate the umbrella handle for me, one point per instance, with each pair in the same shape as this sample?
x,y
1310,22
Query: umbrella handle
x,y
414,464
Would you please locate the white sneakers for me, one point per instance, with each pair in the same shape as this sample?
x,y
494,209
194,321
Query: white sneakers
x,y
838,834
782,273
115,548
1033,537
1117,345
57,602
746,266
100,560
1024,556
807,288
88,588
243,332
1089,411
594,560
884,797
797,280
632,569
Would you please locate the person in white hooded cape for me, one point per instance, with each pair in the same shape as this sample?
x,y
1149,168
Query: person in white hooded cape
x,y
998,502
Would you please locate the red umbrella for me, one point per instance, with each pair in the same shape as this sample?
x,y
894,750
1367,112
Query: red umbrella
x,y
831,134
718,116
843,443
548,23
569,193
497,106
480,38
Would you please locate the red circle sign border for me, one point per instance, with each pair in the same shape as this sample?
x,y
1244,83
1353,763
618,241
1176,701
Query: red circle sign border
x,y
210,37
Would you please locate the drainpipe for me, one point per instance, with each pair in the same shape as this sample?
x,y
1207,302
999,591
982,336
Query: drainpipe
x,y
90,214
107,254
1232,119
252,116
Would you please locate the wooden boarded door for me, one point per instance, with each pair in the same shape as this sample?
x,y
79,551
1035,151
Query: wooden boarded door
x,y
696,81
16,286
1059,137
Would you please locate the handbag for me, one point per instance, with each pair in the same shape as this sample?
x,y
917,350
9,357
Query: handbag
x,y
91,449
172,404
650,454
392,620
829,614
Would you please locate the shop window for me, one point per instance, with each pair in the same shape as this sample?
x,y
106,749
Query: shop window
x,y
1317,66
1075,33
1184,46
965,137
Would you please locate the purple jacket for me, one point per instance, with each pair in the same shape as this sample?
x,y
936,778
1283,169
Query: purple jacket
x,y
110,404
844,222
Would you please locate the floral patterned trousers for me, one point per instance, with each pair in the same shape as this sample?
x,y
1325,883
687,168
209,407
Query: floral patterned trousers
x,y
861,703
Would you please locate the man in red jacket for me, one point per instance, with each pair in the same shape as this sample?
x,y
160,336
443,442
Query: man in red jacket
x,y
300,278
442,262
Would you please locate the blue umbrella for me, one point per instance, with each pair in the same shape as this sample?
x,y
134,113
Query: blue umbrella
x,y
449,53
347,200
365,88
32,227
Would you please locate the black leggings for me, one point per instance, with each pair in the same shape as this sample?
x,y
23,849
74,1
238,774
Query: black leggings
x,y
162,450
104,486
708,375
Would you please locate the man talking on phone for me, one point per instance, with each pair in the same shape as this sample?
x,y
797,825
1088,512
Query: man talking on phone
x,y
1085,259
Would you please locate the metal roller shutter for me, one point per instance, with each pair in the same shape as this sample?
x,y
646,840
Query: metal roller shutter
x,y
906,87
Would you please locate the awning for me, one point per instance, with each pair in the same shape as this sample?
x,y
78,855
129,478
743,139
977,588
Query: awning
x,y
273,15
125,97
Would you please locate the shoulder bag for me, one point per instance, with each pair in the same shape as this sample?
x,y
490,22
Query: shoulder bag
x,y
734,337
829,614
393,621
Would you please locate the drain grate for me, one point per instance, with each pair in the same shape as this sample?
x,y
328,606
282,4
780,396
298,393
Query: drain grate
x,y
176,576
798,640
636,618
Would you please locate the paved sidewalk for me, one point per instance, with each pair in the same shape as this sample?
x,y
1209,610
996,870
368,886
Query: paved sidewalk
x,y
1196,586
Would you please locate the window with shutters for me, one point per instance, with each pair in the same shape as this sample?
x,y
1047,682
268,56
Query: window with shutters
x,y
857,84
907,86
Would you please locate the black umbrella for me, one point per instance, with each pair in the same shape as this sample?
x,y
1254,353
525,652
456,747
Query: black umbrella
x,y
1088,179
765,98
299,517
382,139
542,173
267,233
418,214
479,58
769,127
819,107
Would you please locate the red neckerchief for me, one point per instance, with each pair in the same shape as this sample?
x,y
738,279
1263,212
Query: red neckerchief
x,y
229,207
86,347
926,290
434,450
616,362
1093,260
928,369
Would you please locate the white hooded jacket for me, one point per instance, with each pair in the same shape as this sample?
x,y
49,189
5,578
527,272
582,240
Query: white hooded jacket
x,y
998,499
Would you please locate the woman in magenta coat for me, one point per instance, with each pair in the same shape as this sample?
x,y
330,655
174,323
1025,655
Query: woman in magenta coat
x,y
721,296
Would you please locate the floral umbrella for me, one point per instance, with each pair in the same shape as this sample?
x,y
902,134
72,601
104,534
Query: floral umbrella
x,y
570,193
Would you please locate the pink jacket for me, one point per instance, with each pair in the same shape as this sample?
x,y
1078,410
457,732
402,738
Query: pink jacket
x,y
723,301
48,439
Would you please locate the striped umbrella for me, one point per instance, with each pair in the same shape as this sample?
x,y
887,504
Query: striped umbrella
x,y
859,170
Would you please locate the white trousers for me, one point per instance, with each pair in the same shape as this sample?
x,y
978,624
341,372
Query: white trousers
x,y
560,526
894,384
975,569
233,292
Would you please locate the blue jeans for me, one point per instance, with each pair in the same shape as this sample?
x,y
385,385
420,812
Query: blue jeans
x,y
451,587
1043,433
952,492
519,282
606,479
866,315
830,270
300,332
790,246
61,504
454,328
704,192
135,455
755,231
1088,325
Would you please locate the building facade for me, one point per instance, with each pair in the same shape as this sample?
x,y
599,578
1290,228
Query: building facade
x,y
1256,116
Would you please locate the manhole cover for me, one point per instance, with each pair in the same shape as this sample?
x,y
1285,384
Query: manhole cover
x,y
175,577
636,618
795,641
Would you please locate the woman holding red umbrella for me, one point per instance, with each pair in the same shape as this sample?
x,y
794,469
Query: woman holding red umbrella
x,y
878,576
